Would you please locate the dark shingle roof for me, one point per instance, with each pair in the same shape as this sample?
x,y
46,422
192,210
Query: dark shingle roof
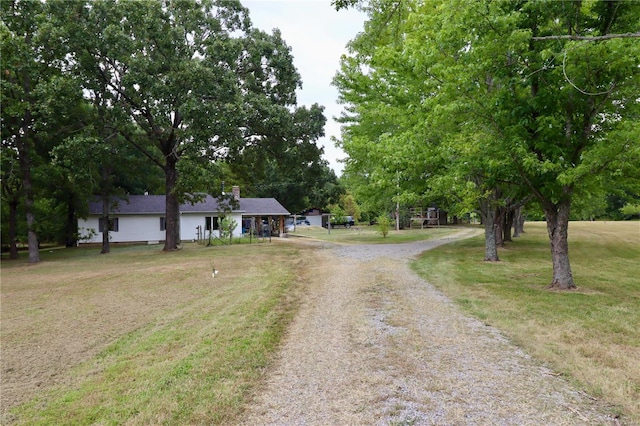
x,y
155,204
265,206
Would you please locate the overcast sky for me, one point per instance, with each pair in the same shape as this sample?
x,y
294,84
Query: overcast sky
x,y
317,35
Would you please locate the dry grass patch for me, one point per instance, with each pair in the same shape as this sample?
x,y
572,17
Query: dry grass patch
x,y
591,334
140,336
370,234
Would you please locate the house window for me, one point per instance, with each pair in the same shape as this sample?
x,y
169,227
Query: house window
x,y
163,223
211,223
113,225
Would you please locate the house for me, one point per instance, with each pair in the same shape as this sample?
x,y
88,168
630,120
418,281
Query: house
x,y
313,216
141,218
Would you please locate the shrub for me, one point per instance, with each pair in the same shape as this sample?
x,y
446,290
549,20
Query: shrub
x,y
384,223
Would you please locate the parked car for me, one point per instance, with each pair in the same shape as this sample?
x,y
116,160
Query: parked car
x,y
301,222
346,221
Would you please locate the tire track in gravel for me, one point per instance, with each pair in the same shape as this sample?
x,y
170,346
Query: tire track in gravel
x,y
374,344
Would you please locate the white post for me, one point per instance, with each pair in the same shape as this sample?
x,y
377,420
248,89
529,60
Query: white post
x,y
397,200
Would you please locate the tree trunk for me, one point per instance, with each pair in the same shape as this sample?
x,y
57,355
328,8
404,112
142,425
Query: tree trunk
x,y
172,221
518,222
106,248
24,151
558,226
499,225
71,230
13,228
507,225
488,214
32,236
521,220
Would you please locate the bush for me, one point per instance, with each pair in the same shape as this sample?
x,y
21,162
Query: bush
x,y
631,211
384,223
227,226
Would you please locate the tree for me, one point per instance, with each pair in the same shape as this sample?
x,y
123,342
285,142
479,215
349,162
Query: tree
x,y
384,223
564,108
97,160
158,64
337,214
552,85
429,155
388,148
37,96
19,104
11,195
195,80
152,62
350,206
227,226
284,161
631,210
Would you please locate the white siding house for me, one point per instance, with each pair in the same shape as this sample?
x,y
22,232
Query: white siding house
x,y
140,218
314,217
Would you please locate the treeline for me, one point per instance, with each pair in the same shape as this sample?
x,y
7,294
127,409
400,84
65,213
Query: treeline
x,y
114,97
495,106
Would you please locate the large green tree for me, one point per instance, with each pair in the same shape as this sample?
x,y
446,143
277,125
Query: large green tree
x,y
382,122
168,67
21,77
550,85
11,195
38,99
404,149
196,81
285,162
559,83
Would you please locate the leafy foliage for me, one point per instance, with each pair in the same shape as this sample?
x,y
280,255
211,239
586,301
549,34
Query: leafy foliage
x,y
384,223
481,105
91,88
227,226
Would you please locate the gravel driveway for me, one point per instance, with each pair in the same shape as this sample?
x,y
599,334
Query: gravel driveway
x,y
374,344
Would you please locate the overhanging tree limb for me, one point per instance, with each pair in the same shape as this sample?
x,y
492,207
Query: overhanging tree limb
x,y
587,38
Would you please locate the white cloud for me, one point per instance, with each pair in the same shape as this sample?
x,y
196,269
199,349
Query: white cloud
x,y
317,35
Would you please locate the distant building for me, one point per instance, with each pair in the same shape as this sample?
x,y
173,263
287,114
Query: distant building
x,y
141,218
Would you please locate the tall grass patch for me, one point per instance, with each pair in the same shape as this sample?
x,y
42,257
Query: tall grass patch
x,y
591,334
174,344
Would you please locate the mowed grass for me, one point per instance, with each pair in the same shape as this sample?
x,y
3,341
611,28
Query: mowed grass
x,y
371,235
143,337
591,334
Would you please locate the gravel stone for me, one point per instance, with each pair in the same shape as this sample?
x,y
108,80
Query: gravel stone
x,y
374,344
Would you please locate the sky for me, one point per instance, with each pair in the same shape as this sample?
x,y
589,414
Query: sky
x,y
317,35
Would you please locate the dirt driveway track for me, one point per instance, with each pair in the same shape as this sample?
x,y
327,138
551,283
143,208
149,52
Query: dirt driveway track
x,y
374,344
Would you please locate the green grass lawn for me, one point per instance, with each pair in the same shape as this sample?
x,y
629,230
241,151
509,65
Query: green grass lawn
x,y
165,342
591,334
152,338
370,235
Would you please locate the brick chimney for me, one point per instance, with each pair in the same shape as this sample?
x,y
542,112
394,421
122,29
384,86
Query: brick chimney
x,y
236,192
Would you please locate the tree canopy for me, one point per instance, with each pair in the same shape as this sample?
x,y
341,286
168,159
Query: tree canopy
x,y
469,102
190,85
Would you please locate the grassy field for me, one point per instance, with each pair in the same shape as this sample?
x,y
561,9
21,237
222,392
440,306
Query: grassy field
x,y
370,235
140,336
590,335
144,337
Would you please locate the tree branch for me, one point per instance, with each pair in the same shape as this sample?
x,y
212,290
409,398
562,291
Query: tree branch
x,y
587,38
141,149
